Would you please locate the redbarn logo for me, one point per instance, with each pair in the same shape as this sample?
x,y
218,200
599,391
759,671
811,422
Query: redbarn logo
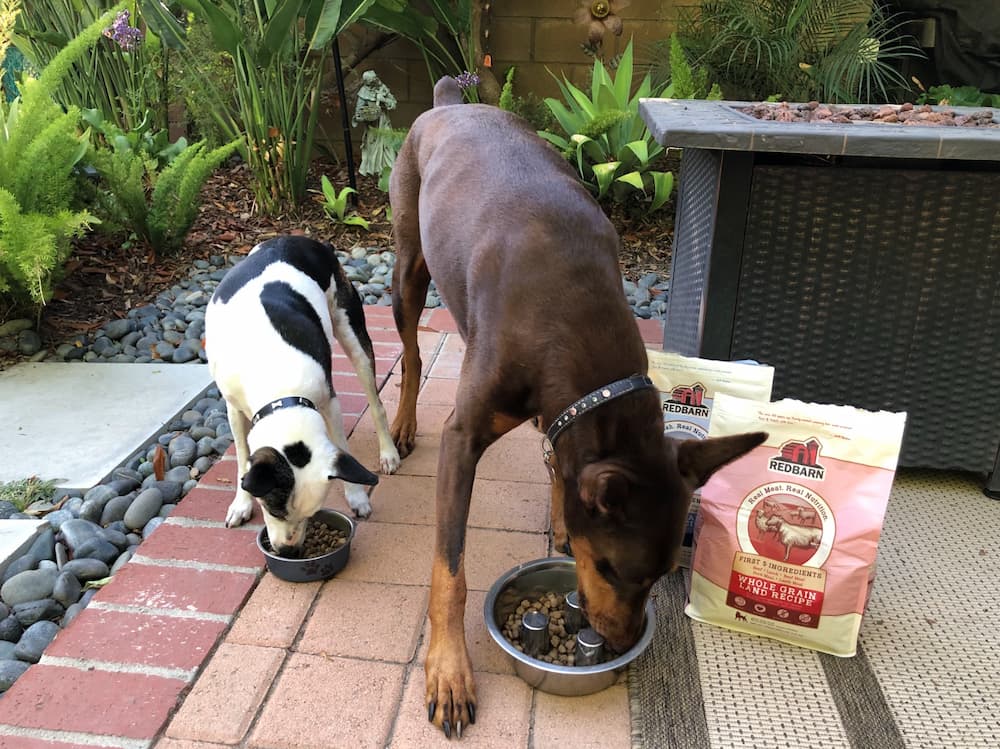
x,y
687,399
799,459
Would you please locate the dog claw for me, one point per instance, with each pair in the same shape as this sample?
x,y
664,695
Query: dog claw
x,y
458,729
472,713
446,725
431,709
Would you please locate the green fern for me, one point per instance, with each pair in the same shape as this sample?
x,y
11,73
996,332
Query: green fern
x,y
174,201
506,101
33,247
39,148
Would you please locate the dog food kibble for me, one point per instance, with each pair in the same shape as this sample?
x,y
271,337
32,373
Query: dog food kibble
x,y
320,539
562,643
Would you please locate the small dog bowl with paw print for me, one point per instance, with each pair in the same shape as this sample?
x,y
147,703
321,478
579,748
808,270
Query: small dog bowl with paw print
x,y
325,550
576,664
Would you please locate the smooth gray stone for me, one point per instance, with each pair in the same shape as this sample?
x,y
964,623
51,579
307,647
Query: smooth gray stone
x,y
179,474
47,564
88,596
58,517
19,565
151,526
187,350
70,615
188,486
10,629
117,329
648,280
7,650
165,350
97,548
118,525
143,508
35,639
115,537
166,510
128,474
206,448
75,532
169,490
104,346
201,432
67,589
4,610
74,505
221,444
173,337
134,539
44,546
181,450
62,554
10,671
7,509
13,327
124,484
92,511
35,611
122,559
116,509
29,342
30,585
100,493
192,418
87,569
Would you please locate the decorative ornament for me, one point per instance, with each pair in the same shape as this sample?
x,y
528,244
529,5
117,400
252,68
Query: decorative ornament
x,y
600,17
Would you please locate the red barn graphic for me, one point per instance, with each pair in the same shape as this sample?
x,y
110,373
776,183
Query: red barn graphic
x,y
689,395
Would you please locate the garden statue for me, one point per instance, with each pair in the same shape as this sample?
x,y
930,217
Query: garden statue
x,y
375,100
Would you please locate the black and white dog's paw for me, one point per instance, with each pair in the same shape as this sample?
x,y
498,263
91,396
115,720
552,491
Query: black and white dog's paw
x,y
357,498
240,510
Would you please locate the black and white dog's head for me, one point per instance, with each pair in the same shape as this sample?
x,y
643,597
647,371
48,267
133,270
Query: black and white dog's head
x,y
292,464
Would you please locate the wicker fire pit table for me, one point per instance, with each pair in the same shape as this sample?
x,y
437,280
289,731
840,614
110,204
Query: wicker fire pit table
x,y
861,259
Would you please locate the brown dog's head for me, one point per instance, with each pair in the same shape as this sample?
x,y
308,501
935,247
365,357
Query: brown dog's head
x,y
626,520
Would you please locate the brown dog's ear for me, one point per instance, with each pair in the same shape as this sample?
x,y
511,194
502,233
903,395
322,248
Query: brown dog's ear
x,y
697,460
603,486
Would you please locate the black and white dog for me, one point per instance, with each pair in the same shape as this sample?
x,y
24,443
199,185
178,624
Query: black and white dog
x,y
268,333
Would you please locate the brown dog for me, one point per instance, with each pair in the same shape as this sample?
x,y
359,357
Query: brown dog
x,y
527,263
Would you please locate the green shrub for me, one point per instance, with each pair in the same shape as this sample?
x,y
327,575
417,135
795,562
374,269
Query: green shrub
x,y
529,107
830,50
124,77
958,96
606,139
39,148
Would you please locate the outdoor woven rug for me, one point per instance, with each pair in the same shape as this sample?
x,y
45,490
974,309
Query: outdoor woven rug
x,y
927,672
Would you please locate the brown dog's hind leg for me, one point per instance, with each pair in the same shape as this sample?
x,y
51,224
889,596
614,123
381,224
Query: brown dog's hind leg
x,y
410,280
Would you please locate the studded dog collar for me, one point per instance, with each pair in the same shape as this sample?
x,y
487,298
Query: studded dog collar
x,y
591,401
276,405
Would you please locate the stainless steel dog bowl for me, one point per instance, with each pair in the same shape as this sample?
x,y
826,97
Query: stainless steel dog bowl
x,y
532,580
317,568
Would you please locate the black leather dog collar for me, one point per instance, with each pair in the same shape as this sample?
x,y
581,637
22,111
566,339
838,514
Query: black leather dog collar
x,y
592,400
270,408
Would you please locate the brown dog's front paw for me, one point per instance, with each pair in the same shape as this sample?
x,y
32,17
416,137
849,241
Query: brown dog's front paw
x,y
451,693
404,433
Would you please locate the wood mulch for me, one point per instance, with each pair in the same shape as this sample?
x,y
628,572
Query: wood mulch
x,y
105,278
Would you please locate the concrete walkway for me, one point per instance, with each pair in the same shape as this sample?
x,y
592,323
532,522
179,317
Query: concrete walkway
x,y
193,646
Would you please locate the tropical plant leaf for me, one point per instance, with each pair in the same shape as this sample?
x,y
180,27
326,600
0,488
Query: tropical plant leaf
x,y
605,174
663,185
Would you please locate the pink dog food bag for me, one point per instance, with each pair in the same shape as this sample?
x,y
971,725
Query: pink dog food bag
x,y
787,534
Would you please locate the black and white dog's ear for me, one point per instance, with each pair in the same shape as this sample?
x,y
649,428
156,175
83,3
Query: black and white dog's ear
x,y
262,475
347,468
260,480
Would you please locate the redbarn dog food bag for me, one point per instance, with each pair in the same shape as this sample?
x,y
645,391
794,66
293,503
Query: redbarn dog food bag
x,y
688,387
787,534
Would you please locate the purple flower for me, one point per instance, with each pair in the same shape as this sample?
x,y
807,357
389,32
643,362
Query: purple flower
x,y
125,36
467,80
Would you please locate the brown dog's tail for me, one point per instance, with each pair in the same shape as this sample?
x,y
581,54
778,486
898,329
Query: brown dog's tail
x,y
446,92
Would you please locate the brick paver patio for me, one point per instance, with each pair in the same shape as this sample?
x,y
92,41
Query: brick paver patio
x,y
193,646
